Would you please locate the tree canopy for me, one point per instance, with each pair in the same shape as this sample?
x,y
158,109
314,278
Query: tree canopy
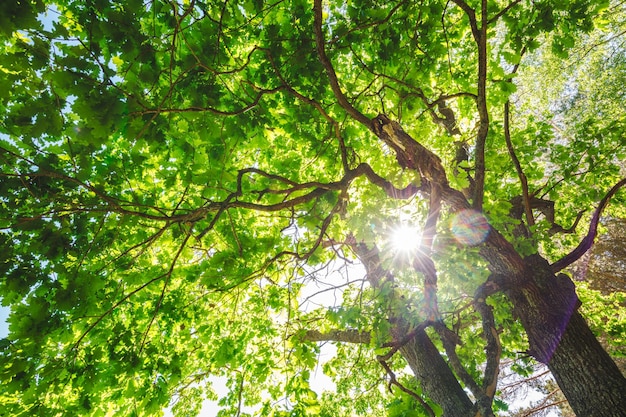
x,y
200,190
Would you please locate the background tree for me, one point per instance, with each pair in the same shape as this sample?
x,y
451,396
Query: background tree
x,y
181,181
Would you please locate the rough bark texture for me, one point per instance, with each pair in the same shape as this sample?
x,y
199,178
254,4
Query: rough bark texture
x,y
590,380
544,304
435,376
560,338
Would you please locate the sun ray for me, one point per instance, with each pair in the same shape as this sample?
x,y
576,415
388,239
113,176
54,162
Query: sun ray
x,y
405,238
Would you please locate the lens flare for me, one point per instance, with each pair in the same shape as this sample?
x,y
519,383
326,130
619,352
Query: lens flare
x,y
469,227
405,238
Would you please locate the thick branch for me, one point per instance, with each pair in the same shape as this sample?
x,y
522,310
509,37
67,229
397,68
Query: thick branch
x,y
546,207
449,339
429,367
483,113
412,155
530,220
587,241
396,193
480,36
471,14
448,121
493,348
330,71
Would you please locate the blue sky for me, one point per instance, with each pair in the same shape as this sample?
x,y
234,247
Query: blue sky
x,y
4,327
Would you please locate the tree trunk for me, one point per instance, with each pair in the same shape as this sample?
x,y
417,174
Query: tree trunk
x,y
560,338
590,380
435,376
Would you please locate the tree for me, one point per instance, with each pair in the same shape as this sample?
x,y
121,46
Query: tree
x,y
176,176
604,284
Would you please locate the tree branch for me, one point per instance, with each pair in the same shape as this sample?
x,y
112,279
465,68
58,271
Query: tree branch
x,y
503,11
530,220
330,71
471,14
493,349
114,306
346,336
372,23
587,241
316,105
480,36
394,381
483,113
163,290
212,110
393,192
449,340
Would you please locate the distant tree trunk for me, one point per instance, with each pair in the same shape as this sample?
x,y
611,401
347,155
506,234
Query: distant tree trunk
x,y
435,376
560,338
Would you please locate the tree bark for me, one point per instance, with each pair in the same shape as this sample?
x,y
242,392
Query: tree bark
x,y
435,376
590,380
560,338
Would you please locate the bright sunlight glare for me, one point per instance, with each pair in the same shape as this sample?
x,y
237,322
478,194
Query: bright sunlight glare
x,y
405,238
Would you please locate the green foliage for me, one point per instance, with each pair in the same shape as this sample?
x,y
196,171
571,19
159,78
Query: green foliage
x,y
176,176
607,317
405,405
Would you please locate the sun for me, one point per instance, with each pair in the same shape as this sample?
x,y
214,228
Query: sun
x,y
405,238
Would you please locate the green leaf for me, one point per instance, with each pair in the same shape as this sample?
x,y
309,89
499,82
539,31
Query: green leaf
x,y
197,201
